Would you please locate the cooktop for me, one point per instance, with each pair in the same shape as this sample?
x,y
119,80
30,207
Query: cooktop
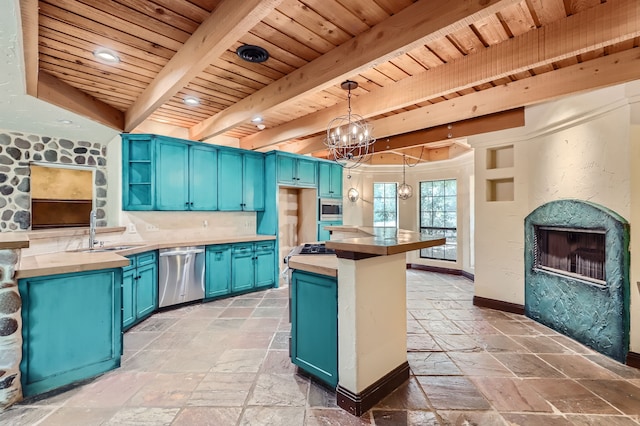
x,y
316,249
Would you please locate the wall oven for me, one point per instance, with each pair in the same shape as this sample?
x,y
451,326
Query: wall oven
x,y
330,209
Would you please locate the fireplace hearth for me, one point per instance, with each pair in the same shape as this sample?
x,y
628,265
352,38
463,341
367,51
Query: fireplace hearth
x,y
577,273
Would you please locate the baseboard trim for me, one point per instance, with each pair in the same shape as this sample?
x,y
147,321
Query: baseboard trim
x,y
440,269
633,359
498,305
358,403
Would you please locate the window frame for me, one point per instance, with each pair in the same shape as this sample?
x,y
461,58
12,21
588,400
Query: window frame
x,y
450,232
385,197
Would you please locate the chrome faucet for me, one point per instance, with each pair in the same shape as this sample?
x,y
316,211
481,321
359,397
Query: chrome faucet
x,y
92,229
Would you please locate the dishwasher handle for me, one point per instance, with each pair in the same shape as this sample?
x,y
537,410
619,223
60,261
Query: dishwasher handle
x,y
181,252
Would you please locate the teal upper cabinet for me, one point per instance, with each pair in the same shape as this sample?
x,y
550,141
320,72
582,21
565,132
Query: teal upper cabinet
x,y
186,177
330,177
163,173
241,181
172,175
253,182
203,178
296,171
138,180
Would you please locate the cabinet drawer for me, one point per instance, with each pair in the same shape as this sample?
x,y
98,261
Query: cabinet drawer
x,y
146,258
132,264
264,246
242,248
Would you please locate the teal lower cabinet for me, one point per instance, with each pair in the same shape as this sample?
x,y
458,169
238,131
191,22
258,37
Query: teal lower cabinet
x,y
265,266
314,325
240,267
139,288
252,266
71,328
217,270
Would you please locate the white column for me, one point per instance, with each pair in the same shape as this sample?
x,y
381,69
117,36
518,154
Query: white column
x,y
372,319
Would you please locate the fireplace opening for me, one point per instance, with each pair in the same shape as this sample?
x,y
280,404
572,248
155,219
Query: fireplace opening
x,y
578,253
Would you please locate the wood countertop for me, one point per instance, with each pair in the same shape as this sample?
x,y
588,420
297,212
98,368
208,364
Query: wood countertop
x,y
13,240
323,264
79,261
384,241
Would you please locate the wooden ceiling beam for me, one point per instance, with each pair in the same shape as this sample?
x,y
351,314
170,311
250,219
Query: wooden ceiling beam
x,y
458,129
601,72
412,27
29,18
228,23
607,23
57,92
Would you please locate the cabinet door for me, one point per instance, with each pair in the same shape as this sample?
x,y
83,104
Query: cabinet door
x,y
230,181
71,328
146,282
137,172
203,178
286,170
307,172
218,270
324,179
335,189
172,175
314,325
253,182
242,267
265,264
128,296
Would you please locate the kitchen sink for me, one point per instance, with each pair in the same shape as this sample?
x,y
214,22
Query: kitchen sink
x,y
103,249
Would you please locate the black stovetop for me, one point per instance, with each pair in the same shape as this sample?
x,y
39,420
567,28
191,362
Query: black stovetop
x,y
316,249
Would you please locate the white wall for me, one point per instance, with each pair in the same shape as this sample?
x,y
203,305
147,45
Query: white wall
x,y
578,147
361,212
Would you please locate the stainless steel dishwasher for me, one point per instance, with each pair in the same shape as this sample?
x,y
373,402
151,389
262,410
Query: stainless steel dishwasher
x,y
181,275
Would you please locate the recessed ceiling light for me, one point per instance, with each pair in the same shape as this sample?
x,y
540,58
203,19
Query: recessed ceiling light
x,y
65,121
257,120
251,53
106,56
191,100
261,126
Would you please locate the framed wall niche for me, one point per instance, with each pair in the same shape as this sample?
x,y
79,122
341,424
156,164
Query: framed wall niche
x,y
61,195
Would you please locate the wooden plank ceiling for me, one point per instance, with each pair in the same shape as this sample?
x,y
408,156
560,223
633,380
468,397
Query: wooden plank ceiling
x,y
429,71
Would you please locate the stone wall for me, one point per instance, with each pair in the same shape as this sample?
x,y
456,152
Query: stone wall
x,y
10,330
17,150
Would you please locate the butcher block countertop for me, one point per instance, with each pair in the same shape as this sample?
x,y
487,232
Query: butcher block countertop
x,y
80,261
13,240
382,241
323,264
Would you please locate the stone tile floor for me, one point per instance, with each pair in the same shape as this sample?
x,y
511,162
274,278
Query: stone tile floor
x,y
226,363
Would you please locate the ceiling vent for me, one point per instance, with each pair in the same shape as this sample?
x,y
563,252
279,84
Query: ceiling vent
x,y
251,53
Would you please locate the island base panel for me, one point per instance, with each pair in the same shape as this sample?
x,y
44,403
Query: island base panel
x,y
359,403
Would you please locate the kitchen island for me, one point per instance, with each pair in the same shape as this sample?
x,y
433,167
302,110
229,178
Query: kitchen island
x,y
371,311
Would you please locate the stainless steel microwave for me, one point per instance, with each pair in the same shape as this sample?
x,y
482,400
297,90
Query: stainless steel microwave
x,y
330,209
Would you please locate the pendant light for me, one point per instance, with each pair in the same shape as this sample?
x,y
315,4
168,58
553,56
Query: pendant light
x,y
349,139
404,191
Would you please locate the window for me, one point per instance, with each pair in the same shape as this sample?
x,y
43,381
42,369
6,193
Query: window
x,y
385,205
438,215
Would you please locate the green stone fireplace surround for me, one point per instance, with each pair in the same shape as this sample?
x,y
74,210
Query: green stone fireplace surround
x,y
595,315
